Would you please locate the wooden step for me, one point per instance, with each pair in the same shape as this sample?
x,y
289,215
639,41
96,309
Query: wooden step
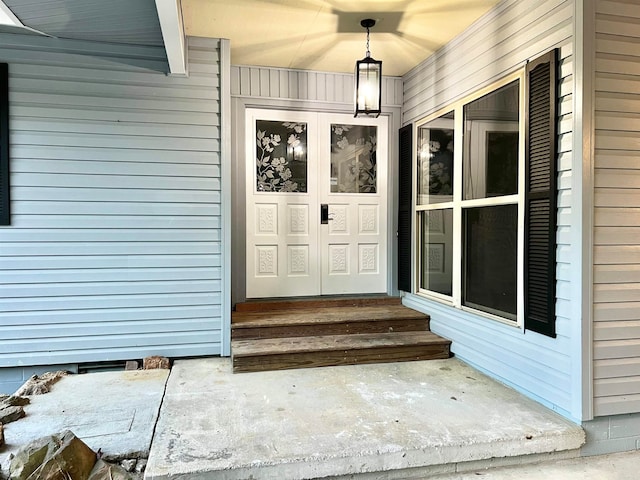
x,y
327,321
328,350
316,302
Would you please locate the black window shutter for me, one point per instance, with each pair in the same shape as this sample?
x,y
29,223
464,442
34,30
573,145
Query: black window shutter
x,y
540,195
405,200
5,203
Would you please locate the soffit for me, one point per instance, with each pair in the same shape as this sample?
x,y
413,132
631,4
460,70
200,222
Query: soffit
x,y
132,22
326,35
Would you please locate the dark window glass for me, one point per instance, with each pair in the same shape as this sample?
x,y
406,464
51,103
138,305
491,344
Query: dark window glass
x,y
490,154
436,250
491,259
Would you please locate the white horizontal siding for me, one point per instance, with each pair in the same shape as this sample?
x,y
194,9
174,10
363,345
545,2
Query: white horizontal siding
x,y
115,246
499,43
502,40
617,209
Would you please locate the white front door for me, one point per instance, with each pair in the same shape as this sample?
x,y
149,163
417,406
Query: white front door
x,y
298,164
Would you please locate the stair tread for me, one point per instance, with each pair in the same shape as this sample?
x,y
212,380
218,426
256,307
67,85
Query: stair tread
x,y
288,345
324,315
315,302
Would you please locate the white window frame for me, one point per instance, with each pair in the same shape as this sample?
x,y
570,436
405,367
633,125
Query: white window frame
x,y
458,204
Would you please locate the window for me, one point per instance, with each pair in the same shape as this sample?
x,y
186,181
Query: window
x,y
5,214
485,203
469,202
490,175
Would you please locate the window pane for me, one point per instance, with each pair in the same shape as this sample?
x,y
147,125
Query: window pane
x,y
491,258
281,156
353,158
490,156
435,160
436,250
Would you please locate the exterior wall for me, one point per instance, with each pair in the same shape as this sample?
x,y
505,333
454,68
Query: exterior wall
x,y
287,89
616,259
114,251
611,434
543,368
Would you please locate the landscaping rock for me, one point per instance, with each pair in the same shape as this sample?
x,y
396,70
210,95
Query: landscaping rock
x,y
107,471
150,363
14,401
141,465
29,458
40,384
129,464
10,414
57,457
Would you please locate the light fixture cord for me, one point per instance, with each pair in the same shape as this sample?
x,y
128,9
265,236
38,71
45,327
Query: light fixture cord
x,y
368,54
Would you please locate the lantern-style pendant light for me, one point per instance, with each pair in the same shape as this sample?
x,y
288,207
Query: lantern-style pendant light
x,y
368,78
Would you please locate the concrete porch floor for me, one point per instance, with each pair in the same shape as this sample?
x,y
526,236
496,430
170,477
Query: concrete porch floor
x,y
391,421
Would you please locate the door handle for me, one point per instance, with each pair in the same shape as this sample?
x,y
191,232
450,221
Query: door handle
x,y
324,214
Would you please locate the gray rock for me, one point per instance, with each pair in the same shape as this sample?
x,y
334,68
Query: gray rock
x,y
129,464
107,471
141,465
10,414
57,457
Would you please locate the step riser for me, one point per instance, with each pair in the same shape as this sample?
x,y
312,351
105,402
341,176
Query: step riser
x,y
272,305
326,359
374,326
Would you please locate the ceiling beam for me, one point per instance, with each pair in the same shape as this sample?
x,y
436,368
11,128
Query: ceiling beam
x,y
170,16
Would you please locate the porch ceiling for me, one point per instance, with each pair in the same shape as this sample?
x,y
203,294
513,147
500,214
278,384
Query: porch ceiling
x,y
326,35
115,21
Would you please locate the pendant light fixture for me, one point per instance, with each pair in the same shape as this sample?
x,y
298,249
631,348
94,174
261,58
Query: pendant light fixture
x,y
368,78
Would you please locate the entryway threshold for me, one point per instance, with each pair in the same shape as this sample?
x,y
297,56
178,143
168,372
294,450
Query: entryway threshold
x,y
391,421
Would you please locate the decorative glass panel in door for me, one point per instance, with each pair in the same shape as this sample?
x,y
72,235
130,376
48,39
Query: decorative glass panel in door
x,y
353,158
281,156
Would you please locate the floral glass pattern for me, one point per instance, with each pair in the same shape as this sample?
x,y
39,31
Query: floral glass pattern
x,y
353,158
281,156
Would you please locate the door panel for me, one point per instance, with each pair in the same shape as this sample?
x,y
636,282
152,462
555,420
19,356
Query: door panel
x,y
282,219
289,251
353,174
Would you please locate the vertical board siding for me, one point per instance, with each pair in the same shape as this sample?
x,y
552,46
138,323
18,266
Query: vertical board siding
x,y
617,209
281,83
499,43
114,251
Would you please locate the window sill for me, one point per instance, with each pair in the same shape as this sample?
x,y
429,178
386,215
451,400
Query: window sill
x,y
477,314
